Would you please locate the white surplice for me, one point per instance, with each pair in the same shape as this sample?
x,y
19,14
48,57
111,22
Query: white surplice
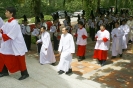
x,y
1,24
15,45
130,24
46,56
66,47
80,33
117,41
126,30
100,44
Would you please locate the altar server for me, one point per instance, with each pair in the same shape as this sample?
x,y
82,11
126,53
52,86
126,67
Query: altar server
x,y
13,48
102,45
126,30
81,41
117,34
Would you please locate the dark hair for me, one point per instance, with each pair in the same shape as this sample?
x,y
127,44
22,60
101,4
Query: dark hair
x,y
80,22
11,10
67,28
124,20
103,25
117,23
43,27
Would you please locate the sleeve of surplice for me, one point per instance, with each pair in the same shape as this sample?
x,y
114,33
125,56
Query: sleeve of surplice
x,y
112,33
1,22
15,29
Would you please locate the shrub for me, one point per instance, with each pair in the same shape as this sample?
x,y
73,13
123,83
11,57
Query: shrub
x,y
33,40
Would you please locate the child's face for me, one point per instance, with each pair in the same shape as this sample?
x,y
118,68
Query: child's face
x,y
116,25
64,31
80,26
102,28
8,14
42,30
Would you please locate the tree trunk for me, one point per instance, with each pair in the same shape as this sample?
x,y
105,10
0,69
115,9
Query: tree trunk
x,y
98,5
36,5
64,2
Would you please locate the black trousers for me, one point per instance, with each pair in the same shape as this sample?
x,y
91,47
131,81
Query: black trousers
x,y
56,42
28,41
5,70
39,45
92,34
108,27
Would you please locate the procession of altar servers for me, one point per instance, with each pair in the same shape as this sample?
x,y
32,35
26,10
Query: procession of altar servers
x,y
99,32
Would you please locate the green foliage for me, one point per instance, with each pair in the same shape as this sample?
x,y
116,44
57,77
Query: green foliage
x,y
46,17
33,40
20,20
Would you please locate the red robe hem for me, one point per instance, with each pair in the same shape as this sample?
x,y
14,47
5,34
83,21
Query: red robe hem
x,y
13,63
100,54
81,50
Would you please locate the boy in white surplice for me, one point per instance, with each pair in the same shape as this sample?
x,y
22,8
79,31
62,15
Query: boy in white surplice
x,y
117,34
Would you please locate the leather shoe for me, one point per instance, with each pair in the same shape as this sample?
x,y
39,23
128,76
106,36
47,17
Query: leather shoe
x,y
61,72
23,77
70,71
4,74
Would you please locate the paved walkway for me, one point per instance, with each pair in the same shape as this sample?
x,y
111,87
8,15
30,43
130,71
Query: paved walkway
x,y
117,73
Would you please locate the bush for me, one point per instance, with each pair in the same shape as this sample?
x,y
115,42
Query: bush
x,y
46,17
32,20
20,20
33,40
88,30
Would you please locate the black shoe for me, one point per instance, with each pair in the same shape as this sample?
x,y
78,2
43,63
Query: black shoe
x,y
70,71
83,57
103,63
53,64
80,58
23,77
61,72
4,74
113,57
120,55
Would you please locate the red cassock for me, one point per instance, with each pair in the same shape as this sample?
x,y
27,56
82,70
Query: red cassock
x,y
13,63
81,49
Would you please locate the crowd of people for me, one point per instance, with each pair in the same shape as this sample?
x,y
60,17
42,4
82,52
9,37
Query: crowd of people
x,y
103,28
